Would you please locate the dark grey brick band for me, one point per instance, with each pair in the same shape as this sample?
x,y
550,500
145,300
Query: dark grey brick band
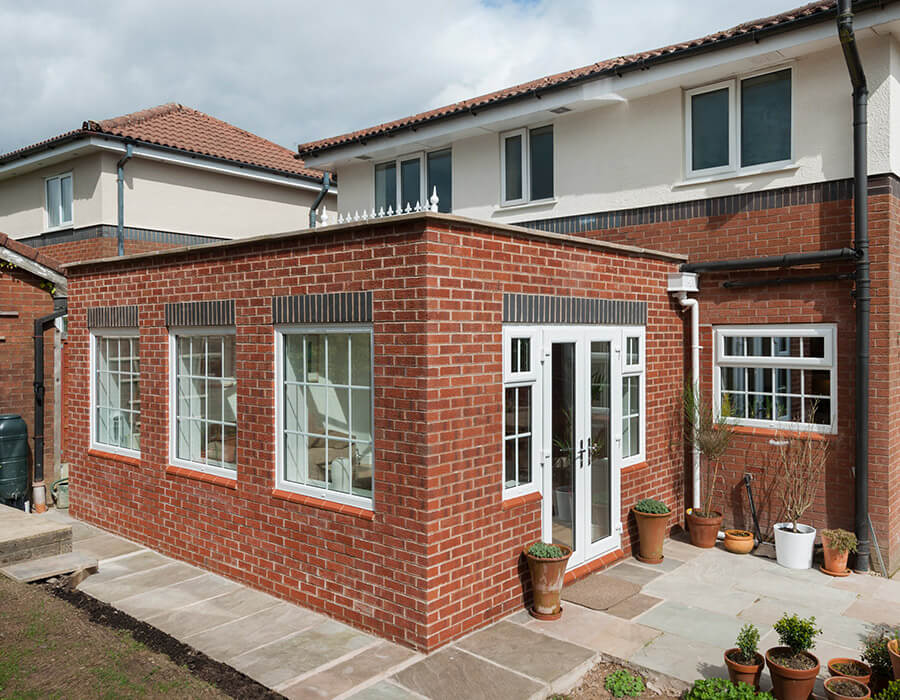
x,y
87,233
200,313
341,307
538,308
112,317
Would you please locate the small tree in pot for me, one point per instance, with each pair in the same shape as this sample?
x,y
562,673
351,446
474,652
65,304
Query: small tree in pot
x,y
744,661
801,461
652,517
792,666
547,566
836,546
711,432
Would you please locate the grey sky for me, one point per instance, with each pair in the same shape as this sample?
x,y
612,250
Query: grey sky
x,y
298,71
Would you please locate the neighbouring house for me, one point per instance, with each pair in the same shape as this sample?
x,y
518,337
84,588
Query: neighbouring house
x,y
163,177
373,418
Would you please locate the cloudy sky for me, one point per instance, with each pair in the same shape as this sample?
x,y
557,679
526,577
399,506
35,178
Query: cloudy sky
x,y
295,71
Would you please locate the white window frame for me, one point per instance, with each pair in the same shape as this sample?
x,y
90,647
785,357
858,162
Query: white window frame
x,y
96,335
62,224
734,127
635,370
827,331
423,177
525,133
174,334
513,380
314,491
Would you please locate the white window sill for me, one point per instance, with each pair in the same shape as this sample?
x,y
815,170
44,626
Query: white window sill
x,y
736,174
346,499
61,227
790,429
525,205
205,469
114,450
519,491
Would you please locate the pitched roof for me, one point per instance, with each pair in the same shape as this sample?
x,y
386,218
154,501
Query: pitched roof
x,y
175,126
748,31
26,251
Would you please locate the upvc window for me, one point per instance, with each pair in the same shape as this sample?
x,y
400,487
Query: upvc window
x,y
777,376
739,124
324,406
203,400
520,397
633,396
115,391
411,180
58,192
526,167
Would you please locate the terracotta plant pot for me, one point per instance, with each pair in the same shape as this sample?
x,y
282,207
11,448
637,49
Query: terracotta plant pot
x,y
704,530
741,673
864,678
835,561
547,582
834,694
738,541
791,683
894,651
652,532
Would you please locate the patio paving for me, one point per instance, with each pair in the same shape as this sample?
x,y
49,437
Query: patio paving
x,y
677,626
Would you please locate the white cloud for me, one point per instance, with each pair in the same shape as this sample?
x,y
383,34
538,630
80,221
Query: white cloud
x,y
294,72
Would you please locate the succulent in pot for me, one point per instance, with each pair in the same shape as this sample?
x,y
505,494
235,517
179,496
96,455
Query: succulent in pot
x,y
850,668
652,516
792,666
836,546
841,687
744,662
547,566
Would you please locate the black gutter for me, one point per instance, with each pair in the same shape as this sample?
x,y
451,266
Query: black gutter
x,y
786,260
775,281
40,326
326,181
863,291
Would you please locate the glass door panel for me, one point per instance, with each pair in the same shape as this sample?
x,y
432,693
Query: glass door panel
x,y
562,450
600,433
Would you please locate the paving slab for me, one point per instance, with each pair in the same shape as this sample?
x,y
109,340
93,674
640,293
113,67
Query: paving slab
x,y
106,546
451,674
384,690
206,614
142,560
678,549
238,636
527,651
631,572
687,659
698,624
667,565
597,631
48,567
870,586
162,600
837,629
874,611
783,588
285,659
631,607
141,582
721,599
342,678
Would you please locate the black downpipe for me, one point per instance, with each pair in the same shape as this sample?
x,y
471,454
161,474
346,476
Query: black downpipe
x,y
786,260
863,291
326,181
40,326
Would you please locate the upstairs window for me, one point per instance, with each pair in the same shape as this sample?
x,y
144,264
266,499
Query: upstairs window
x,y
59,200
527,165
740,123
412,179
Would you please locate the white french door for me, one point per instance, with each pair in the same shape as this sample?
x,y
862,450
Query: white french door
x,y
581,446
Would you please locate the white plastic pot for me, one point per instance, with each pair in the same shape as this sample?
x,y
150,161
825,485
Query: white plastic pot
x,y
794,550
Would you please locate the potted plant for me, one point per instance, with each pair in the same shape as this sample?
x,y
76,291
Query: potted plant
x,y
836,546
721,689
841,687
652,517
792,667
850,668
711,433
547,566
801,462
875,653
738,541
744,662
893,647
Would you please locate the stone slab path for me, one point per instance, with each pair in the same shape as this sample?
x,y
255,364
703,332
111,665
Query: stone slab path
x,y
682,617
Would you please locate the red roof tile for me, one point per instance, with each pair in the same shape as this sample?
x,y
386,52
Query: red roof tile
x,y
27,251
813,12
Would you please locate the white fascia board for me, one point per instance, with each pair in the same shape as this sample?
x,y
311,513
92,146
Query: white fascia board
x,y
35,268
600,91
45,157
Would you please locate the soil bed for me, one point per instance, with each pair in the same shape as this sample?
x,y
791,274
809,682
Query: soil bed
x,y
848,689
739,659
592,686
797,662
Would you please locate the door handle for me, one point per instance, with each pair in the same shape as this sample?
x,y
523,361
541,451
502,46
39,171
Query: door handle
x,y
581,454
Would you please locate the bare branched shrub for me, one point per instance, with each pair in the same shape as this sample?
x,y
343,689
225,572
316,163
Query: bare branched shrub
x,y
801,465
712,433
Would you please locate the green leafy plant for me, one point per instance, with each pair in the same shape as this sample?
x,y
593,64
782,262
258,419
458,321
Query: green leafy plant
x,y
621,683
711,432
650,505
892,692
840,540
797,633
748,643
875,651
542,550
722,689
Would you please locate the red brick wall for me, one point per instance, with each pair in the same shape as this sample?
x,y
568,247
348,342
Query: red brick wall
x,y
97,248
440,555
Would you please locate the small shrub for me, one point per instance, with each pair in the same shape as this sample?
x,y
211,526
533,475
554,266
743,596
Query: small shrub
x,y
875,651
650,505
722,689
840,540
892,692
797,633
542,550
748,642
621,683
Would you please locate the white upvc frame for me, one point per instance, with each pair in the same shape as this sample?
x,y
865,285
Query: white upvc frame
x,y
95,335
182,332
525,133
315,492
423,175
633,370
826,331
523,379
734,127
62,224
